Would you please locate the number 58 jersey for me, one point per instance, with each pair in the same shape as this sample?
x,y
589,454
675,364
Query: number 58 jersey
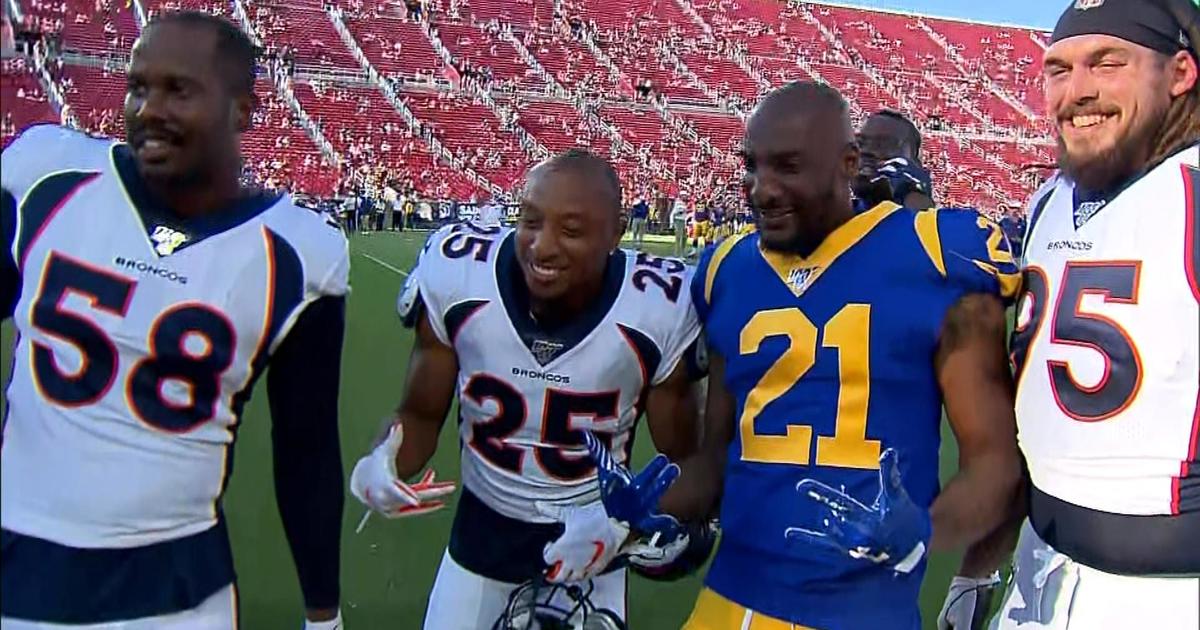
x,y
525,392
139,336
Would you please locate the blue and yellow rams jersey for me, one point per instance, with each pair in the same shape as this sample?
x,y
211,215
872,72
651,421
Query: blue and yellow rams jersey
x,y
831,360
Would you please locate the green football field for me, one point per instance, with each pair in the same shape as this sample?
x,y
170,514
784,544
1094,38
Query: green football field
x,y
388,569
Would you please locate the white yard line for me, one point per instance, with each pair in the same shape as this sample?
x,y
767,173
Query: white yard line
x,y
386,265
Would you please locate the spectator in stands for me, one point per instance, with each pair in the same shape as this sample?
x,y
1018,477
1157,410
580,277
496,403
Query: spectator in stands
x,y
639,214
891,163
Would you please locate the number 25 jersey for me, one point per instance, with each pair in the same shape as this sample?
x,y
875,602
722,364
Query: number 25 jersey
x,y
524,392
138,339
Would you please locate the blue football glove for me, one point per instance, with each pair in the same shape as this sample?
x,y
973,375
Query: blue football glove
x,y
892,532
904,177
634,499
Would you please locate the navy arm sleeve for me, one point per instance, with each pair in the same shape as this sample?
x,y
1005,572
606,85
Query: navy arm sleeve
x,y
302,384
10,278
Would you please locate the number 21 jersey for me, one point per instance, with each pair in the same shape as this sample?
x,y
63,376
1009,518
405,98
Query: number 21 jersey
x,y
139,337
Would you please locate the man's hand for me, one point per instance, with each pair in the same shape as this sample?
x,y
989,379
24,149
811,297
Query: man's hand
x,y
967,603
590,541
892,532
375,484
631,499
903,177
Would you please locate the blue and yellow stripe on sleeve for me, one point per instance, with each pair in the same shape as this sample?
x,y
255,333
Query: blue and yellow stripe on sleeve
x,y
969,250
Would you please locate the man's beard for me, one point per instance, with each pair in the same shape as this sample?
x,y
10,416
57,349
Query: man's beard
x,y
1104,170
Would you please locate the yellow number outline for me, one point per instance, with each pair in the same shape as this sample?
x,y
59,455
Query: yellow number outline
x,y
848,331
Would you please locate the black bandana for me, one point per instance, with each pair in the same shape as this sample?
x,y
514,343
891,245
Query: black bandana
x,y
1143,22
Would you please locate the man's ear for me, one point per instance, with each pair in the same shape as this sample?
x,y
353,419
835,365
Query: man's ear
x,y
1183,70
851,156
243,111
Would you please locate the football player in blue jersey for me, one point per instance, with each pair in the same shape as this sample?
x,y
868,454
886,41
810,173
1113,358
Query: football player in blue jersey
x,y
835,339
149,290
890,163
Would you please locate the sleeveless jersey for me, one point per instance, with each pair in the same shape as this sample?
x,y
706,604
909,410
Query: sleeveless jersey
x,y
525,393
830,359
138,342
1107,343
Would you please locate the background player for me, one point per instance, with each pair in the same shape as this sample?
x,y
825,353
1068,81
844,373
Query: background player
x,y
543,332
149,291
815,376
890,164
1106,344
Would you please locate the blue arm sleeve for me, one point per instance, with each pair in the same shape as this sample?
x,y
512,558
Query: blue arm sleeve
x,y
302,384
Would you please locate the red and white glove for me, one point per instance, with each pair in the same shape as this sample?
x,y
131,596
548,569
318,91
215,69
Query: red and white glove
x,y
375,484
589,542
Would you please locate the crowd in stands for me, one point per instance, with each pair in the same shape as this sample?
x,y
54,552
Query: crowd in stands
x,y
484,88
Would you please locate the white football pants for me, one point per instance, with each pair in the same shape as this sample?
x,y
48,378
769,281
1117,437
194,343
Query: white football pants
x,y
1050,591
462,600
218,612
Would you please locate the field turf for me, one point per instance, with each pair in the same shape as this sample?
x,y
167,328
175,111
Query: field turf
x,y
388,569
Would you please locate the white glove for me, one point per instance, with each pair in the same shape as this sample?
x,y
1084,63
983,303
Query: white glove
x,y
589,543
332,624
965,597
375,484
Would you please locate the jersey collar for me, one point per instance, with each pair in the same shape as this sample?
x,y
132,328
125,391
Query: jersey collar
x,y
166,231
546,345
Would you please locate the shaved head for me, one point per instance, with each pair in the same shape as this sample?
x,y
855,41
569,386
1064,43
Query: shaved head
x,y
800,155
585,165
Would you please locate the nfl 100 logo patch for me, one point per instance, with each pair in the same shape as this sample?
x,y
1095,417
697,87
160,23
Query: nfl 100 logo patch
x,y
167,240
800,277
544,351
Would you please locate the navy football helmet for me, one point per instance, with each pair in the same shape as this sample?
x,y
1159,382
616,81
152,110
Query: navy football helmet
x,y
540,605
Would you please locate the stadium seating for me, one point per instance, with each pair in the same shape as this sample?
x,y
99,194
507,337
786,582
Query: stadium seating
x,y
25,102
972,87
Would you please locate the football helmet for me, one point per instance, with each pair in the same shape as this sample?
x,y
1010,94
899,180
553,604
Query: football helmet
x,y
540,605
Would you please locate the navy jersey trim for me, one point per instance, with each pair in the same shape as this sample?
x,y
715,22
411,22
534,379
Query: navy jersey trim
x,y
456,316
488,543
1185,489
48,582
42,202
10,276
648,354
1036,213
545,344
1123,544
153,213
286,289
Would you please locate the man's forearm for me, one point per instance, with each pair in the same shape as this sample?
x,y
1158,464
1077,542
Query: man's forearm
x,y
695,492
975,502
418,447
991,552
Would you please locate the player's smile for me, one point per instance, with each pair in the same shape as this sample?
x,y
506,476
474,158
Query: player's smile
x,y
543,274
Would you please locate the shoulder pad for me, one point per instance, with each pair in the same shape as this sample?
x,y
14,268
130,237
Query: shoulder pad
x,y
44,149
969,250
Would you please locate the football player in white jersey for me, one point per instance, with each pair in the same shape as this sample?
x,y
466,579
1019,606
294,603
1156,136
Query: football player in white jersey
x,y
1107,342
543,331
149,290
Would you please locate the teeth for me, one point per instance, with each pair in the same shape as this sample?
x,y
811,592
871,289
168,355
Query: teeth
x,y
155,143
543,271
1088,120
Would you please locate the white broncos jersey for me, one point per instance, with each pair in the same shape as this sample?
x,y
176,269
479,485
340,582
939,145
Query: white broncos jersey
x,y
1107,343
137,343
525,394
